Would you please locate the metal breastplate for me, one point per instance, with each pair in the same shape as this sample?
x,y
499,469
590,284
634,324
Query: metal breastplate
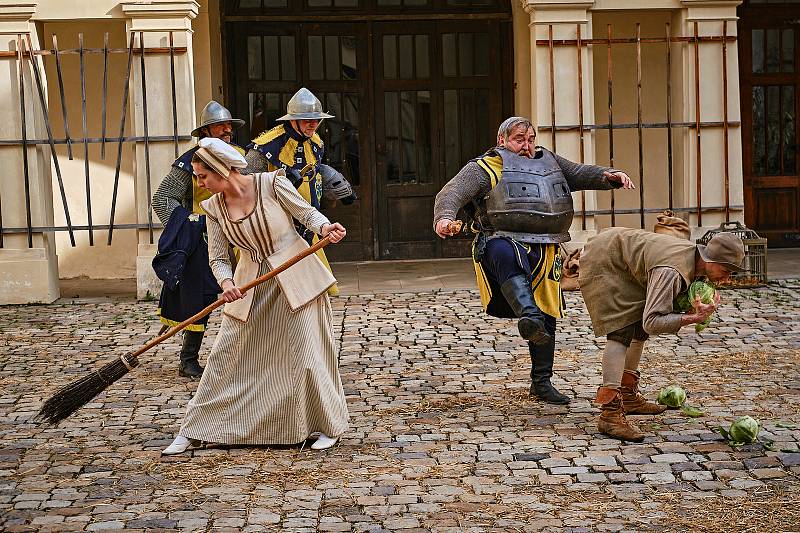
x,y
532,201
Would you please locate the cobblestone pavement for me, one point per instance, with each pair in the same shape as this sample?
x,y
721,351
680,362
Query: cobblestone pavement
x,y
443,437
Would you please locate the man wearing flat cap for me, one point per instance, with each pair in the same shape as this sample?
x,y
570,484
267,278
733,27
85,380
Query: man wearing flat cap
x,y
295,146
629,279
176,201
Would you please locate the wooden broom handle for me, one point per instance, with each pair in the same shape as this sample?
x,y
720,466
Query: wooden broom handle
x,y
246,287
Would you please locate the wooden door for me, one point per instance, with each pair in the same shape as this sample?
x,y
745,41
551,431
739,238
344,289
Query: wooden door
x,y
330,59
474,88
337,72
770,96
406,145
438,101
413,103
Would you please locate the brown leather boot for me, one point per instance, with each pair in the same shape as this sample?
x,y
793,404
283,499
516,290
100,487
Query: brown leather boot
x,y
612,420
634,403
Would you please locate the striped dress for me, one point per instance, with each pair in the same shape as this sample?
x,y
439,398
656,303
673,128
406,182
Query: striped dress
x,y
273,379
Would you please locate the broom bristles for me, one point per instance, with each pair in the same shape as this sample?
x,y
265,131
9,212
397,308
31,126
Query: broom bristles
x,y
75,395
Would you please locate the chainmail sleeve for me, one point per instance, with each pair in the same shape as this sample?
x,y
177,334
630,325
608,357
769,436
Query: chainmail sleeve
x,y
471,182
256,162
175,190
585,177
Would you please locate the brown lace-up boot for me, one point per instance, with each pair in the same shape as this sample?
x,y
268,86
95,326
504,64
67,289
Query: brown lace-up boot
x,y
632,401
612,420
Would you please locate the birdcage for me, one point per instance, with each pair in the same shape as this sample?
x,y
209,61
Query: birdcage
x,y
755,255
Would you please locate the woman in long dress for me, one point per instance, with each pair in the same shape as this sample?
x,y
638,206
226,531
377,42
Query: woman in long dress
x,y
272,375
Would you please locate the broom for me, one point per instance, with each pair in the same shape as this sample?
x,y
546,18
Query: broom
x,y
80,392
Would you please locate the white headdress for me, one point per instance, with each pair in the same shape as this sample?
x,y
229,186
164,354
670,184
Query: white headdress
x,y
220,156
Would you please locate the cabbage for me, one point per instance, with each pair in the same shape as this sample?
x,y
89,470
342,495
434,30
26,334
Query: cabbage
x,y
675,397
672,396
744,429
684,301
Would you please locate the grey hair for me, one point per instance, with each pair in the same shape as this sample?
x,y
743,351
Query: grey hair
x,y
510,124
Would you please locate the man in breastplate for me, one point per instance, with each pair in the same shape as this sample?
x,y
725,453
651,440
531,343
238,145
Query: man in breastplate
x,y
519,196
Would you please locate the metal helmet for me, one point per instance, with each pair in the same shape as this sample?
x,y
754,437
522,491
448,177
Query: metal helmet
x,y
334,185
214,113
304,106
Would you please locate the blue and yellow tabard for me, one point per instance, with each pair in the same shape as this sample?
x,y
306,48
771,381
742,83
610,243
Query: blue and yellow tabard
x,y
284,147
545,274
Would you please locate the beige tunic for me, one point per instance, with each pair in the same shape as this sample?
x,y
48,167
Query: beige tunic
x,y
273,379
615,268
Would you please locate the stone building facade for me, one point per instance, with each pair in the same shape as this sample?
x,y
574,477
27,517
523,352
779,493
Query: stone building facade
x,y
704,123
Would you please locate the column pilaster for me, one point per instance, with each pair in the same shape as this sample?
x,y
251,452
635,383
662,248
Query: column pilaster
x,y
710,16
28,269
558,90
154,21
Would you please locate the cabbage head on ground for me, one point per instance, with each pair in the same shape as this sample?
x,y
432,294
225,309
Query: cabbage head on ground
x,y
744,430
672,396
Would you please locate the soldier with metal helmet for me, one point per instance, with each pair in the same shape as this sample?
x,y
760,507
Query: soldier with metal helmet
x,y
179,188
519,196
295,146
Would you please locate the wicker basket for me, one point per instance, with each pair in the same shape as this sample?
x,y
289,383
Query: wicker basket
x,y
755,255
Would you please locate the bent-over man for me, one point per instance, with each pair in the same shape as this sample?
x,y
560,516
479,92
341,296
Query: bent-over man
x,y
629,279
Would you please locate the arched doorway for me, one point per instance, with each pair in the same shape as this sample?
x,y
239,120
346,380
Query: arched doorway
x,y
417,87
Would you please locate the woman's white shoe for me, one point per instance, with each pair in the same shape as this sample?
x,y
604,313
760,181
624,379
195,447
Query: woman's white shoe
x,y
179,445
324,442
